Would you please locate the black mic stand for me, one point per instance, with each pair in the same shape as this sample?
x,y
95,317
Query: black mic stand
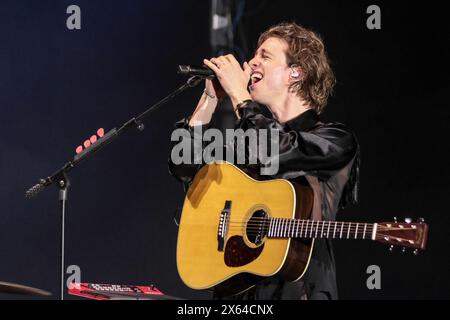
x,y
61,179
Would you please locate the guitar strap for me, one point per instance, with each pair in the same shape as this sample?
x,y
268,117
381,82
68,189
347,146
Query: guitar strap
x,y
317,205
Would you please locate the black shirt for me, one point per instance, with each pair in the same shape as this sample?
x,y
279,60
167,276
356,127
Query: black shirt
x,y
327,156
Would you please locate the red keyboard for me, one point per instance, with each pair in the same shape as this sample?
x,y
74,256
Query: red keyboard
x,y
116,292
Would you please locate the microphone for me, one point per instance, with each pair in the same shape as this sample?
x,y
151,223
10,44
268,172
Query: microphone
x,y
34,190
201,72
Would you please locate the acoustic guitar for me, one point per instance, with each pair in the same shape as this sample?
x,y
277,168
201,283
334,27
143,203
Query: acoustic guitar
x,y
235,231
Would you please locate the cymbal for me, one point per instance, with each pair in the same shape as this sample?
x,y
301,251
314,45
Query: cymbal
x,y
6,287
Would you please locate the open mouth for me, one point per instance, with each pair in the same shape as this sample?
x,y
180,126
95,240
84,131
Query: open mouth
x,y
255,78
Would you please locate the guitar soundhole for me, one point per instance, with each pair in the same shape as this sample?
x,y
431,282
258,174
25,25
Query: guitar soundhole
x,y
257,227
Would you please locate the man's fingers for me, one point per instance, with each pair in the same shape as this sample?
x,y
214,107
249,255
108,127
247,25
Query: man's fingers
x,y
228,57
211,65
222,61
219,62
232,60
247,69
215,61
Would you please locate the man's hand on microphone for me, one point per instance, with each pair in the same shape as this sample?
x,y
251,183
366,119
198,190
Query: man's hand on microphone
x,y
213,87
232,77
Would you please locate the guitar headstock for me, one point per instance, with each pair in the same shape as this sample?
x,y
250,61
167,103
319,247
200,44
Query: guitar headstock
x,y
407,234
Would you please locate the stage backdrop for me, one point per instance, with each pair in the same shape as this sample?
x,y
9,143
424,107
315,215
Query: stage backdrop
x,y
58,86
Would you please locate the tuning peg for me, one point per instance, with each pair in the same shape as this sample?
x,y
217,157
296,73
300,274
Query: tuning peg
x,y
403,250
408,220
391,248
421,220
416,252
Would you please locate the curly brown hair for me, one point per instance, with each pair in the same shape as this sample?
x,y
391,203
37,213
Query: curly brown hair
x,y
307,51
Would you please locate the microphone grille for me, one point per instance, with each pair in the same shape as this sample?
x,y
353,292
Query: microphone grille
x,y
184,69
34,190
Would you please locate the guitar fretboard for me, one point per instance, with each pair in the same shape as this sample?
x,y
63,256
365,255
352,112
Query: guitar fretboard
x,y
295,228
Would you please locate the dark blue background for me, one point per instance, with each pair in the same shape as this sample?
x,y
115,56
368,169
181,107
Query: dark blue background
x,y
58,86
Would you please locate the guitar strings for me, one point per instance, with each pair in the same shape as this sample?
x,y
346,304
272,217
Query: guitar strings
x,y
310,231
336,236
352,231
308,228
304,231
318,223
308,225
321,235
290,220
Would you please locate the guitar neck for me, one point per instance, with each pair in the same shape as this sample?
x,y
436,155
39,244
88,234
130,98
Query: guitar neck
x,y
310,229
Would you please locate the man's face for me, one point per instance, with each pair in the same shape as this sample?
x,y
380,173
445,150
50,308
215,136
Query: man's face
x,y
270,72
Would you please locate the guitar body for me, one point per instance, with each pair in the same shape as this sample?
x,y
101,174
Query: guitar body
x,y
236,258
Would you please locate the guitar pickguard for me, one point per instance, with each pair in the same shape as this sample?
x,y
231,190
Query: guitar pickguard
x,y
238,254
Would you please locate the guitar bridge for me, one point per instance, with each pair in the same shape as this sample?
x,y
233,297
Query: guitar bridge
x,y
223,225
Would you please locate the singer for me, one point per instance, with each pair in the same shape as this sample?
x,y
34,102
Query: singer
x,y
290,73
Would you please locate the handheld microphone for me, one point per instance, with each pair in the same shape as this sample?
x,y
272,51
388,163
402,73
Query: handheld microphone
x,y
201,72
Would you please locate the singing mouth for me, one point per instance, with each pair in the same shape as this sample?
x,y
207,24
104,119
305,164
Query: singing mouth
x,y
255,78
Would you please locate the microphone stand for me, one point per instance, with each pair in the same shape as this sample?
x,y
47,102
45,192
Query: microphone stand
x,y
60,177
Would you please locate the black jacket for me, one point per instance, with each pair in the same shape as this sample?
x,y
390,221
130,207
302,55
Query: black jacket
x,y
326,155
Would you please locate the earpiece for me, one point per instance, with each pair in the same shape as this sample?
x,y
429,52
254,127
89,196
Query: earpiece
x,y
294,71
